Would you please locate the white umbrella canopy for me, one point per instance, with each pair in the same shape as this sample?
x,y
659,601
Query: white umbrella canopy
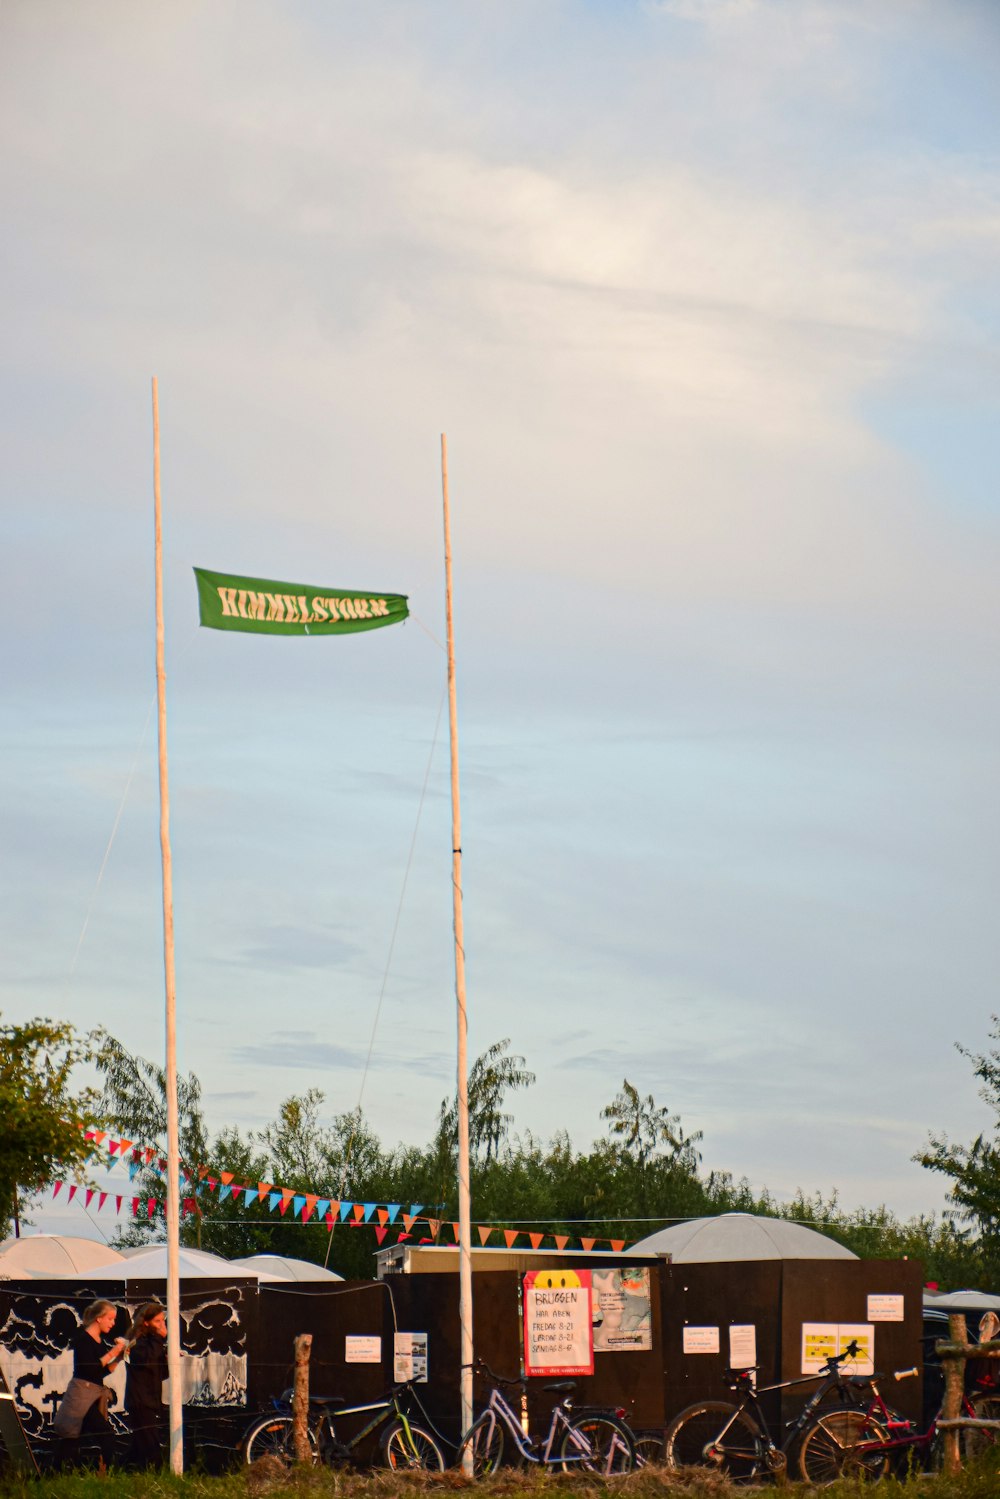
x,y
56,1257
740,1236
150,1263
964,1301
269,1267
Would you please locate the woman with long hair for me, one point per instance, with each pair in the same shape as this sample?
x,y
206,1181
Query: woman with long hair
x,y
147,1369
84,1407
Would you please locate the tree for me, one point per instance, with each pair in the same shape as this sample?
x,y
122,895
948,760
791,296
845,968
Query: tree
x,y
43,1118
974,1169
647,1130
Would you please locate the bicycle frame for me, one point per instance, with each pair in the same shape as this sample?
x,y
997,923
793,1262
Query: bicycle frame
x,y
832,1379
330,1445
500,1409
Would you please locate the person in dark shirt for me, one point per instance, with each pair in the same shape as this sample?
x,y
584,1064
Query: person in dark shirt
x,y
84,1407
147,1369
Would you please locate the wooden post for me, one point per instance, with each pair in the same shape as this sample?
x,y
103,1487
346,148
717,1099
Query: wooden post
x,y
300,1399
954,1385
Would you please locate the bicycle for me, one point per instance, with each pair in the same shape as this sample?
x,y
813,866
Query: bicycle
x,y
864,1443
596,1440
735,1439
403,1443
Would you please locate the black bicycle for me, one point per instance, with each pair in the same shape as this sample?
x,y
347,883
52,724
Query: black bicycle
x,y
403,1443
735,1439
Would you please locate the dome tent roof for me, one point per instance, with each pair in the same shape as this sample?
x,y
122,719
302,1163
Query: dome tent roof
x,y
270,1267
53,1256
740,1236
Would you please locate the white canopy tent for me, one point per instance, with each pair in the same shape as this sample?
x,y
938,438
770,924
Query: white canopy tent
x,y
740,1236
55,1256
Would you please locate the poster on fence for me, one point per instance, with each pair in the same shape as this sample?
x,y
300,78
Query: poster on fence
x,y
622,1316
823,1340
558,1328
409,1357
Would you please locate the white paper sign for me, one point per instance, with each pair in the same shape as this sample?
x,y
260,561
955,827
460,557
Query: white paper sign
x,y
362,1350
883,1307
701,1340
742,1346
409,1356
821,1340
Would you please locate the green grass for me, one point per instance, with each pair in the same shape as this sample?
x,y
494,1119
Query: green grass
x,y
979,1482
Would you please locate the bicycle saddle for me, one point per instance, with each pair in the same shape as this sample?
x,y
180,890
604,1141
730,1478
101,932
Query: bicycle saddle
x,y
320,1401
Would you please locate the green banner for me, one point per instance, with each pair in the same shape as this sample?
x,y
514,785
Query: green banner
x,y
228,602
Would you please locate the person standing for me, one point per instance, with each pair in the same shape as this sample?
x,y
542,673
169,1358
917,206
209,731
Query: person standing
x,y
147,1369
83,1409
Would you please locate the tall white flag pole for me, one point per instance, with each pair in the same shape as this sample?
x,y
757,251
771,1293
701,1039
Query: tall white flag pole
x,y
464,1203
170,1070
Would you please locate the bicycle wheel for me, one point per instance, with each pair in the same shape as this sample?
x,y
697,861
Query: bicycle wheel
x,y
716,1435
410,1446
599,1444
829,1448
272,1437
648,1448
484,1440
987,1408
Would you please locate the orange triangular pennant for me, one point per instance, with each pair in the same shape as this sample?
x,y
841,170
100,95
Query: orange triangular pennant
x,y
408,1221
617,1245
359,1211
434,1226
561,1240
535,1239
456,1230
484,1233
510,1234
383,1218
587,1244
264,1189
310,1206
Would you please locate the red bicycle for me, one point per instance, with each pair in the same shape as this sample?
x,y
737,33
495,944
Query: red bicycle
x,y
866,1443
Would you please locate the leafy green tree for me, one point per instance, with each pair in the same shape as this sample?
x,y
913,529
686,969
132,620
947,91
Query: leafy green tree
x,y
43,1117
974,1169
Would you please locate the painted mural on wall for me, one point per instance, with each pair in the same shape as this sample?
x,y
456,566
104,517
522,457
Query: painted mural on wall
x,y
37,1328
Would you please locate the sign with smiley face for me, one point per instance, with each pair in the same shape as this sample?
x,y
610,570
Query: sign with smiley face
x,y
558,1327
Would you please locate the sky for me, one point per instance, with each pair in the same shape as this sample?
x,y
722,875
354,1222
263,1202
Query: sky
x,y
704,295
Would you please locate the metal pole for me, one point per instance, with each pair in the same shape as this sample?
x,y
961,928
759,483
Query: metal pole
x,y
464,1202
170,1071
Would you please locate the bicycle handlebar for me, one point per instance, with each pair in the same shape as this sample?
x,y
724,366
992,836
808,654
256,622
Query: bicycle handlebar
x,y
480,1366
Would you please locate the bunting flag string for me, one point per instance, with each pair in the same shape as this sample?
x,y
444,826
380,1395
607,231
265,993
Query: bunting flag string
x,y
306,1206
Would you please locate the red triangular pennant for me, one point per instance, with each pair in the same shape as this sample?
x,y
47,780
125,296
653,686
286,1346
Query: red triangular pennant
x,y
57,1186
102,1200
72,1192
381,1232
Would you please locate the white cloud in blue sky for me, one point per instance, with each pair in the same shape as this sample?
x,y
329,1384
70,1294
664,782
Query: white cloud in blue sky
x,y
705,297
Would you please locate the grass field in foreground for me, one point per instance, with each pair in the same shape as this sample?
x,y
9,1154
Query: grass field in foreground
x,y
979,1482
